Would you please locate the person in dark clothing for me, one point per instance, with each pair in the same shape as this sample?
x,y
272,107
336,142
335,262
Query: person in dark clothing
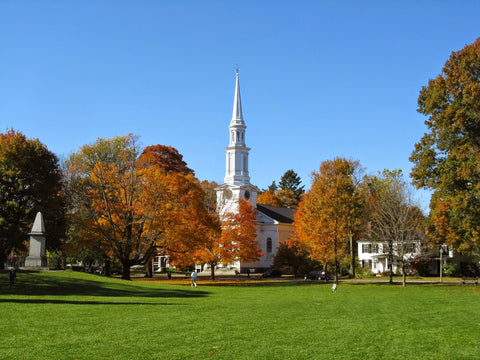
x,y
12,276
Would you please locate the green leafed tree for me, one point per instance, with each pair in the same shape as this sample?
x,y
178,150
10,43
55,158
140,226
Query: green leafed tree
x,y
447,158
30,181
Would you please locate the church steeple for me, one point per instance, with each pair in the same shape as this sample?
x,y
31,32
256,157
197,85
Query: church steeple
x,y
237,153
237,181
237,115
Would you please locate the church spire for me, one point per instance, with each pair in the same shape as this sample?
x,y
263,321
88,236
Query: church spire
x,y
237,180
237,152
237,115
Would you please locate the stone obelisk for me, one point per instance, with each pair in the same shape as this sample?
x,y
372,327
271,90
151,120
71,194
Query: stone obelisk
x,y
36,256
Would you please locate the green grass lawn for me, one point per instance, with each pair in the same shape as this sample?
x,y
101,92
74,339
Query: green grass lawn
x,y
70,315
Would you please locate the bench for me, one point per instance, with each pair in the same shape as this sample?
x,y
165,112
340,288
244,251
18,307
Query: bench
x,y
472,280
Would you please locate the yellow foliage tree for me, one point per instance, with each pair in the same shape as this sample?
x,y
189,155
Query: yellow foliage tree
x,y
268,198
329,212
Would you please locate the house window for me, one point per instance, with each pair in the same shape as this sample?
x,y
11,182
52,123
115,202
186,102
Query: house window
x,y
370,248
366,263
410,248
269,248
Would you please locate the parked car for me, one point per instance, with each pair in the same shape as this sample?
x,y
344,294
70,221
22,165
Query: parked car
x,y
318,275
272,273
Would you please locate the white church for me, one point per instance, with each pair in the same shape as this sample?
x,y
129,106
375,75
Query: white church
x,y
274,224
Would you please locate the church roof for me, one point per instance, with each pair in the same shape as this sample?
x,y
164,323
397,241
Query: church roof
x,y
280,214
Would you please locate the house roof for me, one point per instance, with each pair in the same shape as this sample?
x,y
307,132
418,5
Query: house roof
x,y
280,214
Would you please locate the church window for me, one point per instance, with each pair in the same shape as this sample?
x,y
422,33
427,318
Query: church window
x,y
269,248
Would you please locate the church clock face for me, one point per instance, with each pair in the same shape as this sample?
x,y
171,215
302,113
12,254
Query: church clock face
x,y
247,195
227,193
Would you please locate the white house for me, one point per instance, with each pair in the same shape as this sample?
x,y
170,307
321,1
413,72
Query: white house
x,y
274,224
374,255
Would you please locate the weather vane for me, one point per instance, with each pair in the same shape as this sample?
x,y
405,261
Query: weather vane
x,y
237,69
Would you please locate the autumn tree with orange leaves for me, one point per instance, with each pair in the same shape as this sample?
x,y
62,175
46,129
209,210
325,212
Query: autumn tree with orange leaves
x,y
329,212
130,211
268,198
166,158
237,240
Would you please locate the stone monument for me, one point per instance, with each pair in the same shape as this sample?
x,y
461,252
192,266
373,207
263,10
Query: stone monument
x,y
36,256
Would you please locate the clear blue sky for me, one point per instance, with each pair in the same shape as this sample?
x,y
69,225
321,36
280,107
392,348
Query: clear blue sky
x,y
319,79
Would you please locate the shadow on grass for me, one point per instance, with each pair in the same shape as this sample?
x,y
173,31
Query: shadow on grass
x,y
31,283
399,283
73,302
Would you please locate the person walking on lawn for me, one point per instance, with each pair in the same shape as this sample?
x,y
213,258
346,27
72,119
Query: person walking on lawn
x,y
193,276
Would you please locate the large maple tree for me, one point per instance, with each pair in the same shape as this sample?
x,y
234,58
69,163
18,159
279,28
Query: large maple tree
x,y
330,212
132,211
447,158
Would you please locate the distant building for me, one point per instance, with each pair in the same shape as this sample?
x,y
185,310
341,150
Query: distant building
x,y
374,255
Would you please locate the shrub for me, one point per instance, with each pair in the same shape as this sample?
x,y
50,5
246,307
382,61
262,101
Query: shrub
x,y
385,273
420,266
450,269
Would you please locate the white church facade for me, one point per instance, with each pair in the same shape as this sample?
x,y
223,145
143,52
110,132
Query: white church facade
x,y
274,224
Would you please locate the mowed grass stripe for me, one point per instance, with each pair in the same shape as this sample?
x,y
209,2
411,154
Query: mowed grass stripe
x,y
68,315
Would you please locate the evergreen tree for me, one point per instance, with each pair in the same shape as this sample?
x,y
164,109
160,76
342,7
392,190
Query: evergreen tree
x,y
291,181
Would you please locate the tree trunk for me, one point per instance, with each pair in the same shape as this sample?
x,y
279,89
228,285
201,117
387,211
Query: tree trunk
x,y
107,267
2,259
126,270
352,257
148,269
212,271
336,262
404,275
390,267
